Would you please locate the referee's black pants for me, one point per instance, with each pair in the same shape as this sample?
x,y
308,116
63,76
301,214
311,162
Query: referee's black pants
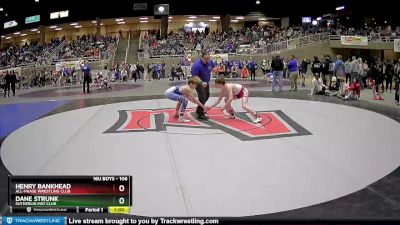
x,y
6,88
204,95
86,81
253,75
13,88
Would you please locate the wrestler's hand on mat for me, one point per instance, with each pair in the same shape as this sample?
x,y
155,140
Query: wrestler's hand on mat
x,y
208,108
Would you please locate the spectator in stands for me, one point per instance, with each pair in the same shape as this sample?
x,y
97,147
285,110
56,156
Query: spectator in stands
x,y
293,73
354,68
277,68
264,67
360,72
38,54
347,69
284,74
303,70
317,86
235,70
377,76
149,71
366,73
325,70
157,71
34,53
134,73
228,65
180,73
24,81
342,88
353,90
124,74
221,42
132,68
339,69
389,71
221,70
316,66
163,66
117,74
173,73
140,69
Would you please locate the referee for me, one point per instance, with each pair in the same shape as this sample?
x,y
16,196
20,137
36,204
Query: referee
x,y
201,70
86,77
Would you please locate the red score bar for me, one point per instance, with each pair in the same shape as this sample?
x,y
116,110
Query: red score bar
x,y
100,189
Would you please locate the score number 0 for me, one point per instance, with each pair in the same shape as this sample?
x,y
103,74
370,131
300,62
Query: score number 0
x,y
121,188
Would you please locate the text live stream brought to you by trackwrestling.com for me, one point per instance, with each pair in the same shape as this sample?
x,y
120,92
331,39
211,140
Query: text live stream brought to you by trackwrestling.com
x,y
58,220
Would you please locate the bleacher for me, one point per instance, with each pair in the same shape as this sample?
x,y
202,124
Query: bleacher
x,y
36,54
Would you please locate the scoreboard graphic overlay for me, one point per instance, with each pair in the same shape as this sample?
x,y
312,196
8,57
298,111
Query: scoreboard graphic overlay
x,y
76,194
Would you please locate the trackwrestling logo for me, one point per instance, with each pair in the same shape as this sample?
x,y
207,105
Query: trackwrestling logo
x,y
275,124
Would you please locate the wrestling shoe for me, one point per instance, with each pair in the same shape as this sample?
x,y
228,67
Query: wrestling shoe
x,y
258,120
183,120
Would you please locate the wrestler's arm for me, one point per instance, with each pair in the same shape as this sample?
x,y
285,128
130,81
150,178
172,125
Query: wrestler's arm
x,y
230,97
217,101
199,81
189,93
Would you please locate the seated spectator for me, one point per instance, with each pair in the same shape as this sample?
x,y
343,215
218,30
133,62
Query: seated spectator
x,y
244,73
350,91
235,71
174,74
319,88
39,54
179,72
221,69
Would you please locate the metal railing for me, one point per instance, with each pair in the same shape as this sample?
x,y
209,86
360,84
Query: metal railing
x,y
371,38
143,55
140,39
57,50
115,50
89,59
278,46
286,45
127,48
